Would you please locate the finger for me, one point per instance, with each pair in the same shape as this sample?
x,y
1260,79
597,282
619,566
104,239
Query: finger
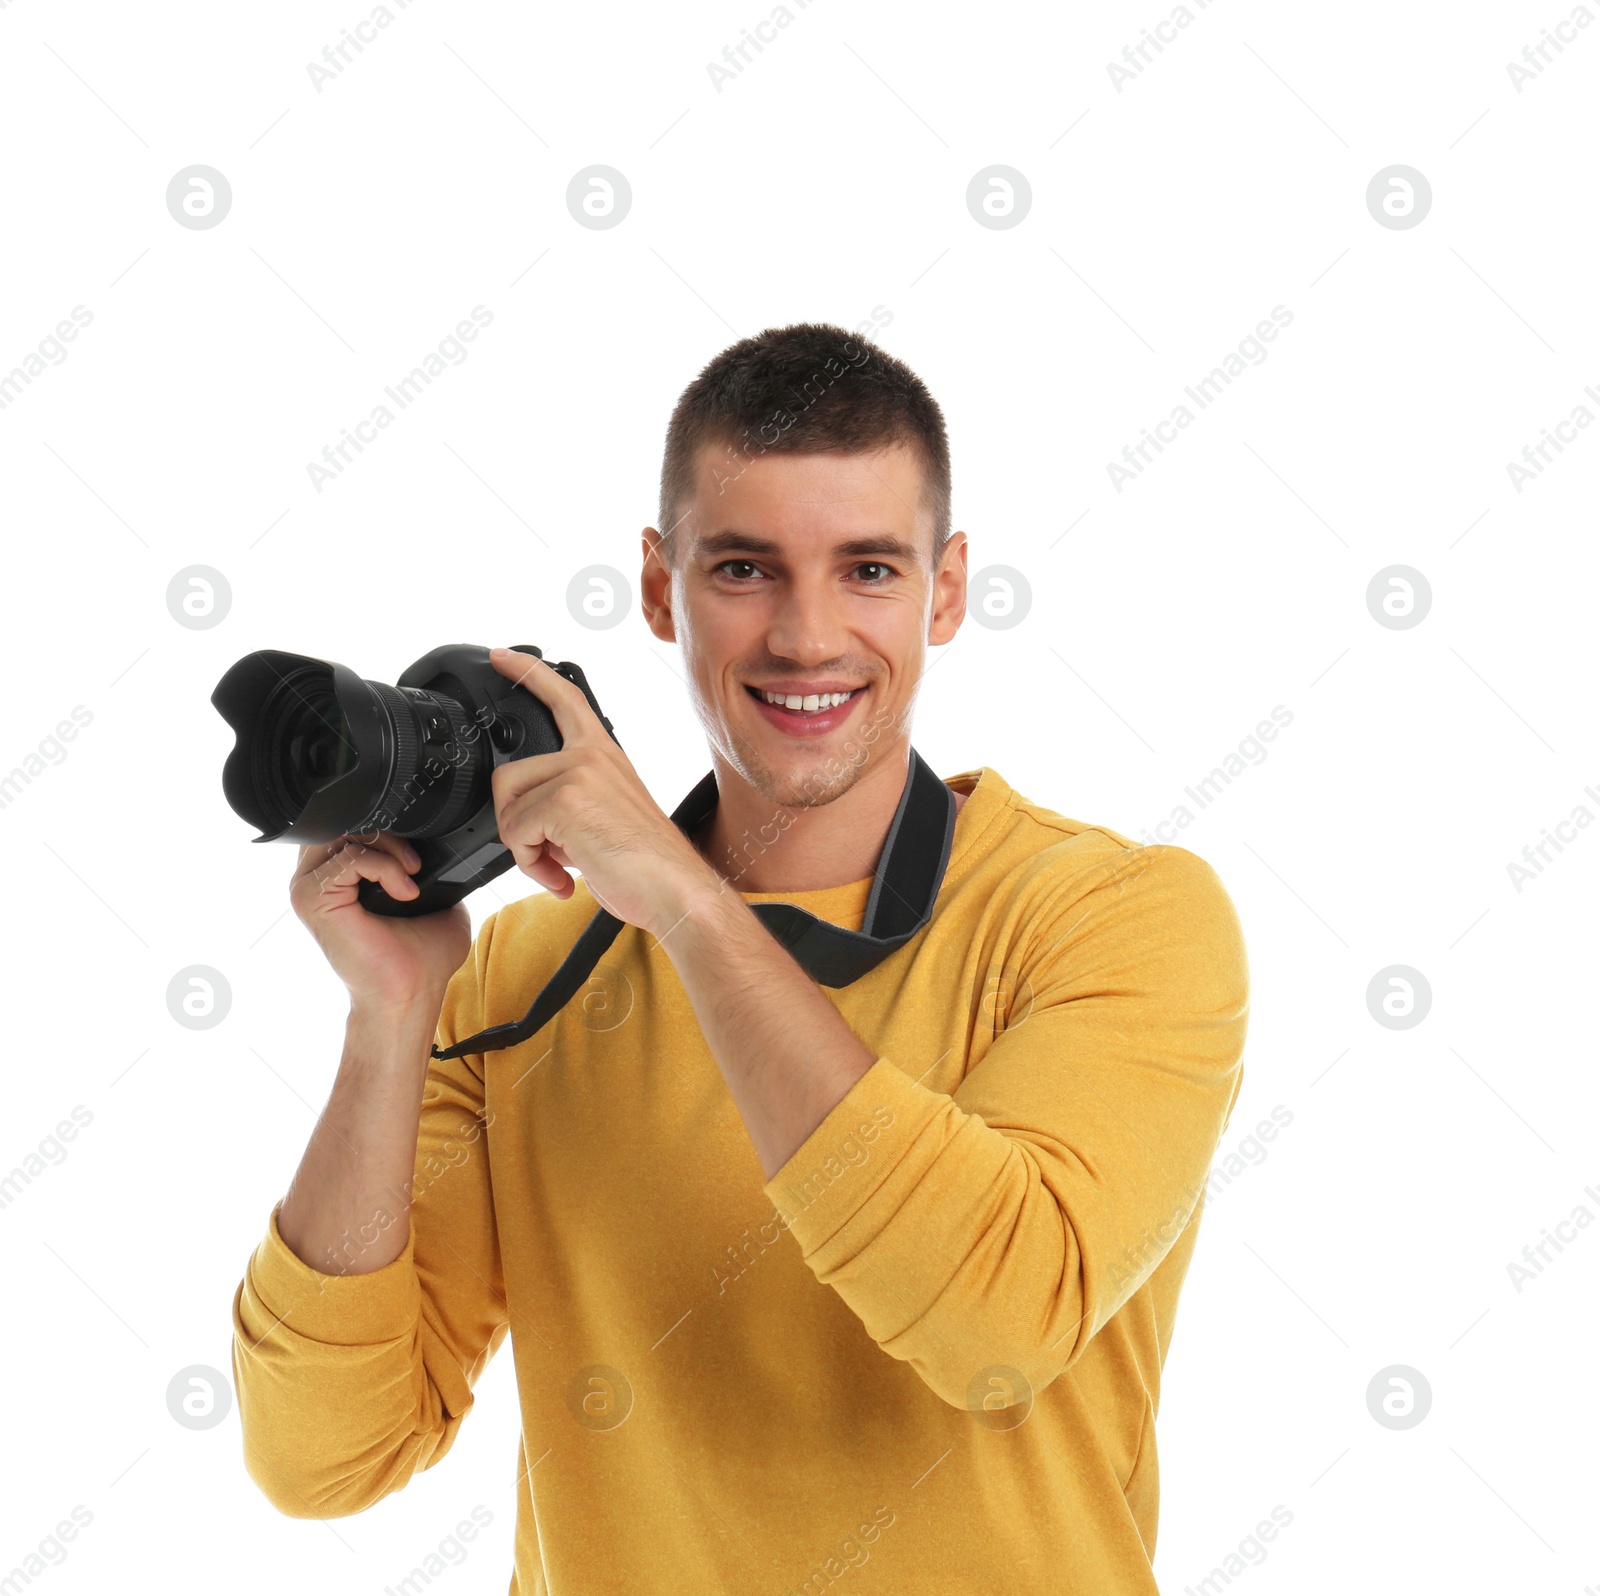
x,y
313,855
352,861
549,875
521,816
355,862
402,848
520,831
513,783
565,701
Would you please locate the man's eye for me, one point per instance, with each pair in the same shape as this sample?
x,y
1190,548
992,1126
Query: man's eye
x,y
726,563
877,565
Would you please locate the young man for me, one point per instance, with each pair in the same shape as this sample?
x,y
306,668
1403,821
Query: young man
x,y
987,1151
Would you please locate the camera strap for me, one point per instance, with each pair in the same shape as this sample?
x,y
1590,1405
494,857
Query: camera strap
x,y
905,887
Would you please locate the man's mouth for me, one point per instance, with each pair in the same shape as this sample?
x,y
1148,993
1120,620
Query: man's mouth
x,y
802,703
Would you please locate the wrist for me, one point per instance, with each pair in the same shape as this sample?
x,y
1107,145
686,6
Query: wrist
x,y
698,896
402,1013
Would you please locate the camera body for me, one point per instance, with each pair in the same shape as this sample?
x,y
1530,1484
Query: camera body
x,y
322,753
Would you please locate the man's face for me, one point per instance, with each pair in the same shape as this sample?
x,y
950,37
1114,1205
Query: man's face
x,y
799,574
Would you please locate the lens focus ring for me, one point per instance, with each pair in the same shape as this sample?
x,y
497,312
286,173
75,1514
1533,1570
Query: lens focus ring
x,y
402,719
434,786
469,770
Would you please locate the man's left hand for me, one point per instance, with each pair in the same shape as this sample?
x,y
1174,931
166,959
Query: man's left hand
x,y
585,808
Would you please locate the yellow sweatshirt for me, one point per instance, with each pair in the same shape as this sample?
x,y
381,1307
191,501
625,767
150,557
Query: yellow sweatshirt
x,y
924,1357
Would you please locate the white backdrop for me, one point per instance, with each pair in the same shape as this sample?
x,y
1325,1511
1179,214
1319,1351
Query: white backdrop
x,y
1432,328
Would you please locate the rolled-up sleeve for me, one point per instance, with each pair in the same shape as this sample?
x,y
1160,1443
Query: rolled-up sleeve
x,y
348,1384
1001,1227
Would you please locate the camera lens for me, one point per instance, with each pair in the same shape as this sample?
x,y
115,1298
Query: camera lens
x,y
312,747
322,752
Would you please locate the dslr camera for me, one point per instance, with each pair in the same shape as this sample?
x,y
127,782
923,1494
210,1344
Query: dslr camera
x,y
321,753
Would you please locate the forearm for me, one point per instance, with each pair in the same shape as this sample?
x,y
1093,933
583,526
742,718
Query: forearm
x,y
786,1054
362,1153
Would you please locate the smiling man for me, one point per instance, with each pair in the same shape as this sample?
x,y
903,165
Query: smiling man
x,y
835,1255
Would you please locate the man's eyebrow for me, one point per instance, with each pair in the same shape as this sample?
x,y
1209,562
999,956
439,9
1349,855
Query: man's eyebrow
x,y
749,543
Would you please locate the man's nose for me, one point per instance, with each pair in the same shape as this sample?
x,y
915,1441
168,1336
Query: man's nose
x,y
809,624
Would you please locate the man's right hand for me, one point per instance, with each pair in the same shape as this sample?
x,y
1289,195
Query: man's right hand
x,y
384,960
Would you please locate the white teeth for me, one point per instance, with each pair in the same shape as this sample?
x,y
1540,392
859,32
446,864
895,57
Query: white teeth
x,y
809,704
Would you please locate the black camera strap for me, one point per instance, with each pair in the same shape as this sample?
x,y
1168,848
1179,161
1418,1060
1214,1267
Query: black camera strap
x,y
905,887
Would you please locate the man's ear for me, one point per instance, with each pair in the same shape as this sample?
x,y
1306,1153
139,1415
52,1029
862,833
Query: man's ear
x,y
949,591
655,587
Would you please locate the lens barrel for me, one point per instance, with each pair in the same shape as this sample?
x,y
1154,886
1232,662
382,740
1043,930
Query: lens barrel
x,y
322,753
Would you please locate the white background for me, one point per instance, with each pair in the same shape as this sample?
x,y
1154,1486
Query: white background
x,y
1168,217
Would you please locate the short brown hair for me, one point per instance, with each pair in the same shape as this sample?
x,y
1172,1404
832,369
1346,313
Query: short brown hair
x,y
809,388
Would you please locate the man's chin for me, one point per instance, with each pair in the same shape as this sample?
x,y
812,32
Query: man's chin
x,y
798,777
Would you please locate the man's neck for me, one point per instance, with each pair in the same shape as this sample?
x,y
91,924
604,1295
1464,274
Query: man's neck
x,y
760,846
